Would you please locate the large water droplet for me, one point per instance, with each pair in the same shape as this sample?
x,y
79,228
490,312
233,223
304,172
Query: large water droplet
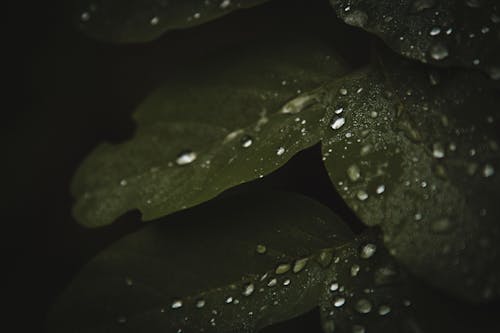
x,y
186,157
337,123
339,301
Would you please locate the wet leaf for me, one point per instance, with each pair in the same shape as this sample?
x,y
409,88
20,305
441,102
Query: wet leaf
x,y
228,267
213,128
417,156
443,32
135,21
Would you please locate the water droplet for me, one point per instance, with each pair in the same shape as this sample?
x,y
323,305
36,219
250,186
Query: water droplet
x,y
176,304
154,20
123,182
224,4
355,270
229,300
200,303
287,282
353,172
261,249
338,301
438,51
362,195
334,286
246,141
368,251
282,269
380,189
121,320
383,310
337,123
280,151
488,170
356,18
299,265
325,258
272,282
297,104
420,5
186,157
339,111
129,282
249,289
363,306
85,17
343,91
438,150
435,31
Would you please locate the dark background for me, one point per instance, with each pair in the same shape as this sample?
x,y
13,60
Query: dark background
x,y
67,93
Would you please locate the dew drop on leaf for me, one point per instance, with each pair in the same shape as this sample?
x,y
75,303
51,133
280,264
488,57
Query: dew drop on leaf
x,y
186,157
261,249
299,265
368,251
337,123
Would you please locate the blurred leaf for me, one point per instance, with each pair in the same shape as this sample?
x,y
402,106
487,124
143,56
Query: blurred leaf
x,y
443,32
214,128
135,21
228,267
417,156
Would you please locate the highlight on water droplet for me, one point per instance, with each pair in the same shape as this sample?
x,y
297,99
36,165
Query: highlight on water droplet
x,y
186,157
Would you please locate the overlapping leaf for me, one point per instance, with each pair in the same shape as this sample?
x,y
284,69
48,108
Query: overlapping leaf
x,y
442,32
214,128
144,20
417,156
228,267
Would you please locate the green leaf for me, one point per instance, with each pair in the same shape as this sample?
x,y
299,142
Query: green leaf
x,y
135,21
441,32
417,156
234,121
229,267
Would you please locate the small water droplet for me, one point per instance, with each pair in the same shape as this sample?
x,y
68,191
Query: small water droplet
x,y
435,31
123,182
287,282
338,301
261,249
297,104
353,172
343,91
224,4
337,123
272,282
85,17
248,289
280,151
176,304
421,5
282,269
438,150
368,251
380,189
355,270
121,320
438,51
488,170
229,300
200,303
299,265
363,306
246,141
154,20
383,310
362,195
334,286
186,157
